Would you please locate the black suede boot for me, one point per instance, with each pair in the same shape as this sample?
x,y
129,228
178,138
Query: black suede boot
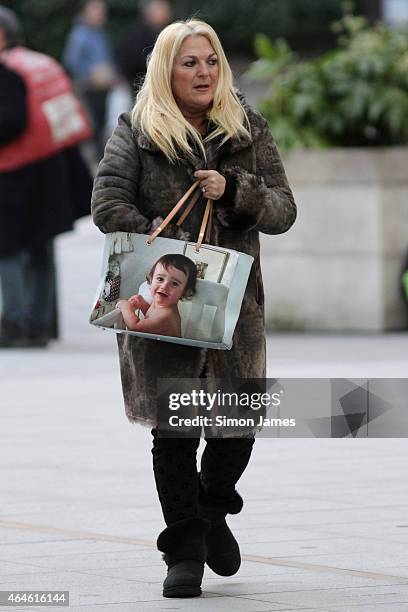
x,y
223,554
184,546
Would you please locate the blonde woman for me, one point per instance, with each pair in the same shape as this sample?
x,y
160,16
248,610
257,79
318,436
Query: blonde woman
x,y
189,123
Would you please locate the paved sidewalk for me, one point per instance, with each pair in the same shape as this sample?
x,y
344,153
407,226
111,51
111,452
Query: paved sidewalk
x,y
324,526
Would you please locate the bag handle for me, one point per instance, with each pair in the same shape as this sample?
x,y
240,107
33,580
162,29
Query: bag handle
x,y
205,225
189,207
209,222
173,212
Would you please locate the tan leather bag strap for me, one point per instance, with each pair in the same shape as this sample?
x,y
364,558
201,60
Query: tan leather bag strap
x,y
205,225
173,212
209,224
189,208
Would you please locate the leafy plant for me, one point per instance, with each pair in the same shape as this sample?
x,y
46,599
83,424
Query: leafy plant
x,y
303,22
355,95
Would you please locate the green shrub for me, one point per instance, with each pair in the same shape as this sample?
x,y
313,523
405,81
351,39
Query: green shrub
x,y
355,95
303,22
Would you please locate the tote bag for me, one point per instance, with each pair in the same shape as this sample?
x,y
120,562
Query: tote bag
x,y
205,316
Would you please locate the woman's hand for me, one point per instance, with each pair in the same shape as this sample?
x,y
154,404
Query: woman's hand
x,y
212,183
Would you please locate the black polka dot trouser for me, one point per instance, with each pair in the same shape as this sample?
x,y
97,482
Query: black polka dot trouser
x,y
175,470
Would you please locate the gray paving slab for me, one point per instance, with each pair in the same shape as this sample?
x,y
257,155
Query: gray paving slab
x,y
321,548
378,607
106,560
206,602
375,594
293,580
324,524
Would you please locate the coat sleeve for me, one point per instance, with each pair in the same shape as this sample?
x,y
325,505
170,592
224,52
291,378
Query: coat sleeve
x,y
114,198
261,201
114,205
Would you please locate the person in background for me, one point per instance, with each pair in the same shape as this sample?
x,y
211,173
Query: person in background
x,y
138,41
88,57
131,56
44,182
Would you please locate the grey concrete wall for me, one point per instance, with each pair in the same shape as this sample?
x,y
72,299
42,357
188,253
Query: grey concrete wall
x,y
339,267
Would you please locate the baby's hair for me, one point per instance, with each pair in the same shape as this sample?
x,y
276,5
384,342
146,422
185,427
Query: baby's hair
x,y
182,263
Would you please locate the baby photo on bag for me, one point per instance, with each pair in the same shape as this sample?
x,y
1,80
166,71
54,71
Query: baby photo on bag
x,y
169,290
172,290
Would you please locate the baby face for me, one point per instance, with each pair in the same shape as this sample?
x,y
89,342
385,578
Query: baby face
x,y
167,285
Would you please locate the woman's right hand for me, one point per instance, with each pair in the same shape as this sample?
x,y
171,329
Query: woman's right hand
x,y
212,183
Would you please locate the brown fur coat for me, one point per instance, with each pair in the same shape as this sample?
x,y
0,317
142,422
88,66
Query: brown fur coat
x,y
135,184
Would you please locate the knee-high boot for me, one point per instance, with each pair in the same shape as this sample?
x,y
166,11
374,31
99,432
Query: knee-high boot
x,y
222,464
183,541
223,554
184,546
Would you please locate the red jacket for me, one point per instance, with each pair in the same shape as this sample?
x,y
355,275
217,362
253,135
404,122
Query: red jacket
x,y
56,119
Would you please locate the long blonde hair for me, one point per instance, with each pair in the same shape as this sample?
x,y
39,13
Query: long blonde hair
x,y
156,112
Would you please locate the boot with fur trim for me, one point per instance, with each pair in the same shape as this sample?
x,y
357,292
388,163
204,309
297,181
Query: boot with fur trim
x,y
223,554
184,548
